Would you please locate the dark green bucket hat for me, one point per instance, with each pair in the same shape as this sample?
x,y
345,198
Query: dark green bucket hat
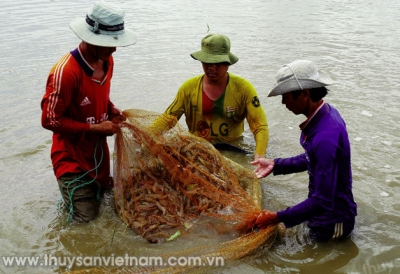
x,y
215,48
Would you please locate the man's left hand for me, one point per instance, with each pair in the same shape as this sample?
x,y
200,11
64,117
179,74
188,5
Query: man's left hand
x,y
117,116
266,218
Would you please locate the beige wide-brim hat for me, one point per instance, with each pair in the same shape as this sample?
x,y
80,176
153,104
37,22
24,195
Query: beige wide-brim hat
x,y
215,48
104,26
299,75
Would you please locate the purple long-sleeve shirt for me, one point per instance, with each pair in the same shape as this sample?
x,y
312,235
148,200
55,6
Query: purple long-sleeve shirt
x,y
327,159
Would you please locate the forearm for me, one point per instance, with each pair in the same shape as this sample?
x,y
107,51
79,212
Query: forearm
x,y
258,124
290,165
261,137
162,123
63,125
300,213
56,115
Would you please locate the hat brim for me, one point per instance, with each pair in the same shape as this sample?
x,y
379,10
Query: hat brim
x,y
214,58
79,27
292,84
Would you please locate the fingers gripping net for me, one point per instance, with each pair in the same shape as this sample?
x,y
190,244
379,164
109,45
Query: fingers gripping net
x,y
164,181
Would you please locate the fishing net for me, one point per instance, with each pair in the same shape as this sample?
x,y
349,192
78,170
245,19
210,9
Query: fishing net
x,y
166,182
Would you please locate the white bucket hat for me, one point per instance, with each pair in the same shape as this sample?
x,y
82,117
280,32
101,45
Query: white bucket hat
x,y
104,26
299,75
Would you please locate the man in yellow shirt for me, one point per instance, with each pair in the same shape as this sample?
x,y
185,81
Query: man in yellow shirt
x,y
216,103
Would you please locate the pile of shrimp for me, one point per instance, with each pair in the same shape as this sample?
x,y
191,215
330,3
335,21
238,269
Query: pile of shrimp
x,y
165,182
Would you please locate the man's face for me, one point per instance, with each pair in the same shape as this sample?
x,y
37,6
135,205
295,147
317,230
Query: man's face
x,y
104,53
216,71
298,105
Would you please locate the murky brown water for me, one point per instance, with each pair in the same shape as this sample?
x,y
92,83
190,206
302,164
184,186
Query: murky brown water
x,y
356,41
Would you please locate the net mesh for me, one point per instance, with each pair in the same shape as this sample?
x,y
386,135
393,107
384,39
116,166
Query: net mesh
x,y
168,182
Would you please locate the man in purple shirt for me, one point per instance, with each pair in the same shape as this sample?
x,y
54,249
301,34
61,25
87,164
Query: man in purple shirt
x,y
329,210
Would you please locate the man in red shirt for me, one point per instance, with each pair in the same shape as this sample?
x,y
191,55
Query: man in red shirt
x,y
77,109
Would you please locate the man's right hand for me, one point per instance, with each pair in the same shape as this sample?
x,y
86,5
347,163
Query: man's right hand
x,y
264,168
105,128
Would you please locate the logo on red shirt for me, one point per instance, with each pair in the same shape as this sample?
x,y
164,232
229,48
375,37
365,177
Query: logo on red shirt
x,y
85,102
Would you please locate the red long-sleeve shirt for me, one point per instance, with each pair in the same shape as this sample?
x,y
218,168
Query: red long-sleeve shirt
x,y
74,100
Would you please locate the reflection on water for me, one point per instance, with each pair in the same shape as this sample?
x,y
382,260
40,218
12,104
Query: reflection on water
x,y
355,41
298,253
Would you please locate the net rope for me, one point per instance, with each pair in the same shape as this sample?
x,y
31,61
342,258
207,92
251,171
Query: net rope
x,y
79,182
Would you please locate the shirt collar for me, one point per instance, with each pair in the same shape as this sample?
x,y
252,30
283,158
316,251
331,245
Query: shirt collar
x,y
77,54
305,123
82,62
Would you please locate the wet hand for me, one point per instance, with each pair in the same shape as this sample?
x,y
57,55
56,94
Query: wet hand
x,y
257,156
105,128
264,168
266,218
117,116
